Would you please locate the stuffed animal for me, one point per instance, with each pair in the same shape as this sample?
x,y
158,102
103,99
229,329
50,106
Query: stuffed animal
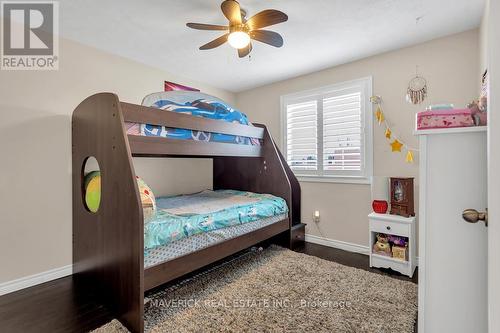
x,y
483,104
92,187
478,111
383,238
397,240
382,245
148,200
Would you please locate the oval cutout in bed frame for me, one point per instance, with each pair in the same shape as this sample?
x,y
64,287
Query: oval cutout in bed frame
x,y
91,165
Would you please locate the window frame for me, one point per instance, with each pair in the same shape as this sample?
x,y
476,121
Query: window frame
x,y
319,94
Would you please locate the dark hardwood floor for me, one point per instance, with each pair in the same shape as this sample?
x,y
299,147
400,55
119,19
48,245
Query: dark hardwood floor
x,y
57,307
351,259
54,306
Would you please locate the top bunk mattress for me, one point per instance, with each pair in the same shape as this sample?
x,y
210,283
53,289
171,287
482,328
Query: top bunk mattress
x,y
196,104
178,217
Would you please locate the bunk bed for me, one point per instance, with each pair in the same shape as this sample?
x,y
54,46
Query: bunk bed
x,y
108,246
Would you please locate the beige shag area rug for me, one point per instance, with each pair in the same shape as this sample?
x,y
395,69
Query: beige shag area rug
x,y
278,290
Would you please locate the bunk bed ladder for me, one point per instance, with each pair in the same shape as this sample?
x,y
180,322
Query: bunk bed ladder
x,y
296,192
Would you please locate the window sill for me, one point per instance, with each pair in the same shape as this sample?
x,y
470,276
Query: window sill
x,y
333,179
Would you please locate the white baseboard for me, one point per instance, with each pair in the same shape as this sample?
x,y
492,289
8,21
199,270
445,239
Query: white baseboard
x,y
336,244
57,273
346,246
32,280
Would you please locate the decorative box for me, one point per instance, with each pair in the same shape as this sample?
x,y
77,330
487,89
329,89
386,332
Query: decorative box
x,y
444,119
400,252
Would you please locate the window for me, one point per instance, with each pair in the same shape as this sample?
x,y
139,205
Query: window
x,y
327,132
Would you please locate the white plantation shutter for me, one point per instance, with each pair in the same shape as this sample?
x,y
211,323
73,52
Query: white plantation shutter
x,y
301,135
327,132
342,133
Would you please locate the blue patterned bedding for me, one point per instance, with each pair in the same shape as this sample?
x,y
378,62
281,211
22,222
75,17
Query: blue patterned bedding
x,y
201,241
178,217
196,104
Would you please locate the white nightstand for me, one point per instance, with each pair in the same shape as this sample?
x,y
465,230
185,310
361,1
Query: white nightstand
x,y
398,226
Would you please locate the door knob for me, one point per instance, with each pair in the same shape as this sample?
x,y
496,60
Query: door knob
x,y
473,216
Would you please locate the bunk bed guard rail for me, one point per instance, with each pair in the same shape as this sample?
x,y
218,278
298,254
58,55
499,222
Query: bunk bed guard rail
x,y
159,146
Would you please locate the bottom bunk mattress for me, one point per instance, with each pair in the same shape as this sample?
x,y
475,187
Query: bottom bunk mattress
x,y
180,217
200,241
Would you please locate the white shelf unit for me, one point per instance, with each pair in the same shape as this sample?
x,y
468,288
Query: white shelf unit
x,y
397,226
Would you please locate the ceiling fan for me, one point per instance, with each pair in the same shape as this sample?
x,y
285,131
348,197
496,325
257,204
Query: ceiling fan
x,y
241,31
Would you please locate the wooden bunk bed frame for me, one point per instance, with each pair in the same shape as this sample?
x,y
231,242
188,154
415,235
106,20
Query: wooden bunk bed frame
x,y
108,246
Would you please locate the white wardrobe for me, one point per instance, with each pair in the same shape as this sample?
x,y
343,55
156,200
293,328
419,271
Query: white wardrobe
x,y
452,252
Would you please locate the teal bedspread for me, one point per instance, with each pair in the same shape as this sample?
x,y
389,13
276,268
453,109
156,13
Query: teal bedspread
x,y
182,216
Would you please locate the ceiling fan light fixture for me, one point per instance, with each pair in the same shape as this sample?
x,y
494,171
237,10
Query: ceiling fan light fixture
x,y
240,31
238,39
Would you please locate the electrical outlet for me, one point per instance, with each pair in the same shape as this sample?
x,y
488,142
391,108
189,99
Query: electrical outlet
x,y
316,216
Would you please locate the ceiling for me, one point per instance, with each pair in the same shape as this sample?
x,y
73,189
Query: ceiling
x,y
319,34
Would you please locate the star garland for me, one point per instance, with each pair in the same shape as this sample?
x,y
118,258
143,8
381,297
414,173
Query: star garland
x,y
397,145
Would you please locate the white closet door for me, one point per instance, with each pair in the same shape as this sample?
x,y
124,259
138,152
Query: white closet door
x,y
453,253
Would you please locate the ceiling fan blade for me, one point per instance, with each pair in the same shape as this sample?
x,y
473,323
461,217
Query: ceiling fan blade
x,y
266,18
216,42
232,11
242,53
202,26
268,37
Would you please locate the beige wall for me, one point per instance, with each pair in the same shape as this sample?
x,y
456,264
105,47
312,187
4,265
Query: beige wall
x,y
450,66
35,150
35,138
483,39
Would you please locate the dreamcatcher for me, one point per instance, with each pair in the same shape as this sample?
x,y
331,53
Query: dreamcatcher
x,y
417,87
417,90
